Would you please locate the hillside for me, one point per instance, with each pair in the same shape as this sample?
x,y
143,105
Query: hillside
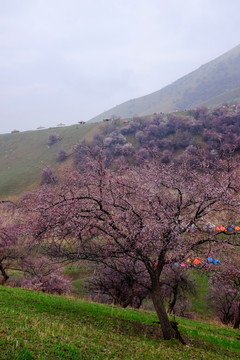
x,y
23,155
214,83
35,325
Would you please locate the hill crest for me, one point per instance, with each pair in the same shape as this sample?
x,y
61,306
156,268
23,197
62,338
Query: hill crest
x,y
213,83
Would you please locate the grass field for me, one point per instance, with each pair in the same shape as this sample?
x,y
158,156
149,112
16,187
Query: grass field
x,y
23,155
34,325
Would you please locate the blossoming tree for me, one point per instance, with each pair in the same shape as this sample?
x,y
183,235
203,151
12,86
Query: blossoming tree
x,y
151,214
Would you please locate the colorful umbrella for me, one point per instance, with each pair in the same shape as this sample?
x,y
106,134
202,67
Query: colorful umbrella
x,y
197,261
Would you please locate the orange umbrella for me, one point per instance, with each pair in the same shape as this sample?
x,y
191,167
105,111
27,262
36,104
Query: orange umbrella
x,y
197,261
221,228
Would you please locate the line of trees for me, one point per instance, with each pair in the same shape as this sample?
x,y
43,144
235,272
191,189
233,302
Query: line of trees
x,y
217,130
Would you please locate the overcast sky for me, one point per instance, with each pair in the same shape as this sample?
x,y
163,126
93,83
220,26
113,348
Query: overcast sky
x,y
69,60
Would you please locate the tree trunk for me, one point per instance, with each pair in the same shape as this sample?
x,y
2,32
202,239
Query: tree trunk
x,y
236,323
167,329
4,274
126,302
139,303
173,300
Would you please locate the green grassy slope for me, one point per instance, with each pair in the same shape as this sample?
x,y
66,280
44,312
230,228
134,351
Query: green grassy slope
x,y
23,155
199,304
34,325
212,84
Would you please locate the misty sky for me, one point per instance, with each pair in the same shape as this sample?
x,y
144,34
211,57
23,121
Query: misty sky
x,y
69,60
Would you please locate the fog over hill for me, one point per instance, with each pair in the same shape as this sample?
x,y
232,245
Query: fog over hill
x,y
212,84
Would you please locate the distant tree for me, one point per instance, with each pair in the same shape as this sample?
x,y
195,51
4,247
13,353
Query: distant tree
x,y
62,155
14,243
142,155
124,281
52,139
19,252
153,130
167,157
176,286
44,275
9,250
140,136
127,149
114,138
224,293
48,177
200,112
127,131
221,298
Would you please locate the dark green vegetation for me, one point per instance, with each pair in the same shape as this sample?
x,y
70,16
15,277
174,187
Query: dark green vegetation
x,y
212,84
39,326
23,155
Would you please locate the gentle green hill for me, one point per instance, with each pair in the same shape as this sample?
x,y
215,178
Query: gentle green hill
x,y
23,155
35,325
212,84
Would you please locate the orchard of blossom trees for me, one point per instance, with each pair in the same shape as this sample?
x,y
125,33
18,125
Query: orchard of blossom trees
x,y
138,203
217,130
138,221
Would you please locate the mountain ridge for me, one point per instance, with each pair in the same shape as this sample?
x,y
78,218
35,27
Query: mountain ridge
x,y
211,84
